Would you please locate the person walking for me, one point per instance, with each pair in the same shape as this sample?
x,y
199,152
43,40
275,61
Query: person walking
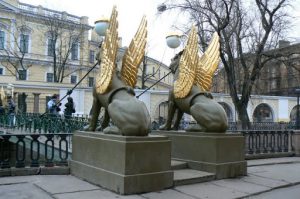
x,y
70,108
11,111
52,106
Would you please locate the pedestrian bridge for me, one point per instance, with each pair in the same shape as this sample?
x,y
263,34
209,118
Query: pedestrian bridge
x,y
261,108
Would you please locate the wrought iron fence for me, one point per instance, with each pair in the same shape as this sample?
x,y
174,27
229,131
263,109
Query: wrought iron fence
x,y
20,150
37,123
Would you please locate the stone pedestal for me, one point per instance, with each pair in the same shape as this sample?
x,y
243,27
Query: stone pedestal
x,y
123,164
296,142
222,154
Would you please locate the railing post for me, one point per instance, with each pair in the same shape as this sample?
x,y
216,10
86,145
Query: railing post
x,y
265,142
285,141
63,160
258,141
272,143
35,161
5,148
279,141
49,160
250,142
20,151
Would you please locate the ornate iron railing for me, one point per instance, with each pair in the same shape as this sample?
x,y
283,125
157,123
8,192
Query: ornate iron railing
x,y
37,123
268,142
20,150
237,126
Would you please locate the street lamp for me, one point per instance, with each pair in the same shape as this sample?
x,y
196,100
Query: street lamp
x,y
297,91
101,26
10,88
173,40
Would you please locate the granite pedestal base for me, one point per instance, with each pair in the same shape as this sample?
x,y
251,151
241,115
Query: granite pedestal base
x,y
123,164
222,154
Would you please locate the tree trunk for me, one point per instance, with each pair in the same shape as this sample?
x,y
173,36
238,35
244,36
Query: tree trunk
x,y
243,115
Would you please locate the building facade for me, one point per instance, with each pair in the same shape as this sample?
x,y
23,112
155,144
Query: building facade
x,y
279,77
45,52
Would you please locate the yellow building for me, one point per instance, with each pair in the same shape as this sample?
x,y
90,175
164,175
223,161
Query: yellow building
x,y
45,52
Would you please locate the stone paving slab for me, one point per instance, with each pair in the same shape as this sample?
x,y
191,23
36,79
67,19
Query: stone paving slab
x,y
167,194
209,190
238,184
55,184
288,193
285,172
258,183
22,191
16,179
271,161
258,180
94,194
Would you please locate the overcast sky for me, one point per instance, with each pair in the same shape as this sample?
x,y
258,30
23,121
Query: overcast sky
x,y
130,14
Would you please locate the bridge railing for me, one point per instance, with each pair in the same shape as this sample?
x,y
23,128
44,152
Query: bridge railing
x,y
236,126
37,123
20,150
268,143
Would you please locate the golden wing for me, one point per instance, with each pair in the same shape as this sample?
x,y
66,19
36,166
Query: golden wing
x,y
2,96
207,64
134,55
108,56
188,60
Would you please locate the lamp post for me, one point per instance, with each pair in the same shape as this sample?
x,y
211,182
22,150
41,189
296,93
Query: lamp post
x,y
297,91
10,89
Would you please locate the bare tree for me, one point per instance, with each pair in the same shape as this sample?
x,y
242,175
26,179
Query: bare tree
x,y
13,55
63,40
246,31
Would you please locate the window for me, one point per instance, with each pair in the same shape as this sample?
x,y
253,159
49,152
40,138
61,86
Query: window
x,y
92,56
74,51
24,43
22,74
51,47
91,81
73,79
50,77
1,71
2,40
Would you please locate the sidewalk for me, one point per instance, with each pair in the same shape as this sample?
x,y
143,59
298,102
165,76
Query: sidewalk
x,y
263,176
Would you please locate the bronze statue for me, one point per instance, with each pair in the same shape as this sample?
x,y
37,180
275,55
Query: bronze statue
x,y
114,90
193,78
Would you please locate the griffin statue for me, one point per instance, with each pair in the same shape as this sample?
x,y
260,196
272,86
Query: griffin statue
x,y
193,79
114,90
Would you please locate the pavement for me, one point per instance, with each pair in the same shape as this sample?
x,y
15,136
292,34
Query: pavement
x,y
267,178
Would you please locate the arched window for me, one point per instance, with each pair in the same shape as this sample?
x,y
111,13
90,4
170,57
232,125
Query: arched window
x,y
293,114
161,112
263,113
227,110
